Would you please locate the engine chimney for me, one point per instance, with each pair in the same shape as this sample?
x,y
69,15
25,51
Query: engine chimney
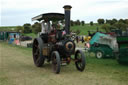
x,y
67,9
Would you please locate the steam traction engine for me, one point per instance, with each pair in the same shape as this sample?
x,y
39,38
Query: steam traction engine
x,y
54,43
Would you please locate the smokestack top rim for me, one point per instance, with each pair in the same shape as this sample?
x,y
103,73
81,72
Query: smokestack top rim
x,y
67,7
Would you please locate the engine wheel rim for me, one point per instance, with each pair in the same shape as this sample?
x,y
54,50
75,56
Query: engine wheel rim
x,y
79,60
36,52
56,62
38,57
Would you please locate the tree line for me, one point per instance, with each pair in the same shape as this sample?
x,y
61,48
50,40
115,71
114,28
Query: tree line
x,y
107,25
28,28
36,27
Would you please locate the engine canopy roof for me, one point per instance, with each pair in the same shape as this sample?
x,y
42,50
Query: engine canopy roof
x,y
49,16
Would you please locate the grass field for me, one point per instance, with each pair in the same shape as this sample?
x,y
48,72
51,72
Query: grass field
x,y
17,68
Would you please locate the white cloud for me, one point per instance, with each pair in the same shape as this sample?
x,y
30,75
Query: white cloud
x,y
21,11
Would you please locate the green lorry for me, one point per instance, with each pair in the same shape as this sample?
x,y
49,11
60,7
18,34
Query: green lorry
x,y
122,56
103,45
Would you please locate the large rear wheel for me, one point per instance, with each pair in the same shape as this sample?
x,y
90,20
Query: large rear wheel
x,y
56,62
37,52
80,60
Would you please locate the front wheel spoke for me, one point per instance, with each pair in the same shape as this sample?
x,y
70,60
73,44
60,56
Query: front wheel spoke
x,y
35,54
37,51
37,60
36,46
54,67
54,62
79,60
80,65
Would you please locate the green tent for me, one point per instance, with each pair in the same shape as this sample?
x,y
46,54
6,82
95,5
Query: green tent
x,y
3,35
96,37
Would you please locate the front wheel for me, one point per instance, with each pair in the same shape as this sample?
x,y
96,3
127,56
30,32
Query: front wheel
x,y
80,60
56,62
99,54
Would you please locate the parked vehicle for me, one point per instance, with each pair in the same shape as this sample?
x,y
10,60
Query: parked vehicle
x,y
122,55
103,45
54,43
24,38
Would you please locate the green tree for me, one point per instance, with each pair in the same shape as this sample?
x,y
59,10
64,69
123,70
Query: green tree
x,y
122,21
75,22
108,21
27,28
126,21
100,21
91,23
113,21
106,27
78,22
72,23
20,29
83,23
121,25
36,27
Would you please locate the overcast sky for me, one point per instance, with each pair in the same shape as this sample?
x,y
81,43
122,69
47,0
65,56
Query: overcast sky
x,y
18,12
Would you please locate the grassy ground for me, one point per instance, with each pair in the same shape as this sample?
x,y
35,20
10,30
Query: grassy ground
x,y
17,68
